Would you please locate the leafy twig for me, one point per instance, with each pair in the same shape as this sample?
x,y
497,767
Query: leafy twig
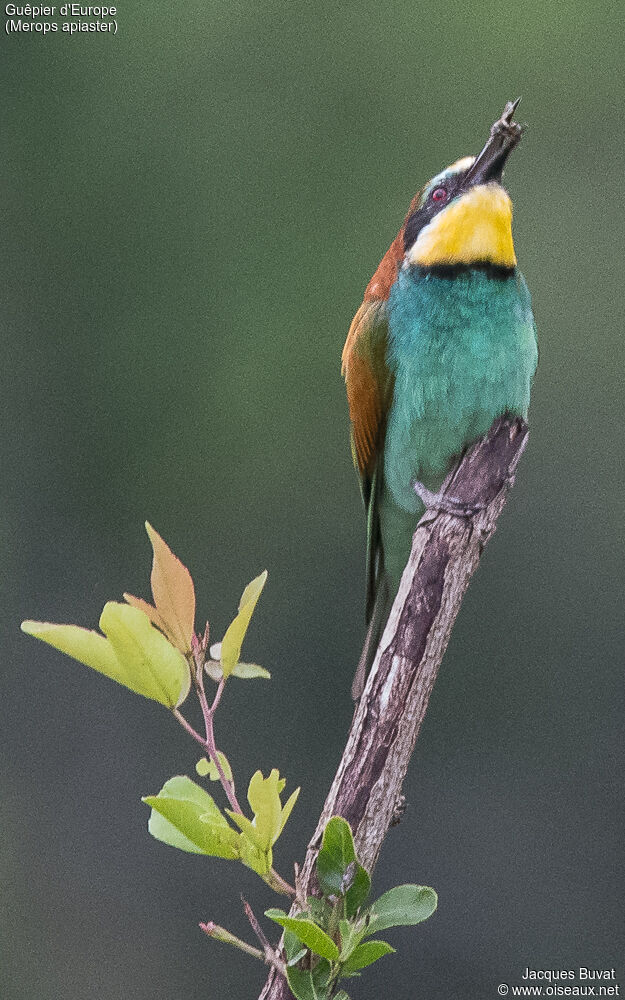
x,y
209,712
272,956
213,930
273,878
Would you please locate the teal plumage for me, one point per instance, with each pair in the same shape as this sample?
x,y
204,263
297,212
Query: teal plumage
x,y
462,352
442,345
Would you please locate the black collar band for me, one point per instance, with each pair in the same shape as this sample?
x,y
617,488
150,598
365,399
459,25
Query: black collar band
x,y
450,271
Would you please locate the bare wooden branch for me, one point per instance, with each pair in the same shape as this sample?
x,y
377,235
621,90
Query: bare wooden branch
x,y
446,549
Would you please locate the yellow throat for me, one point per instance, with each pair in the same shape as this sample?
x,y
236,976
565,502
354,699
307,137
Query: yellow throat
x,y
476,227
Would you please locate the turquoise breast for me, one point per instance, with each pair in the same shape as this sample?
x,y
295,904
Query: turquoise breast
x,y
463,351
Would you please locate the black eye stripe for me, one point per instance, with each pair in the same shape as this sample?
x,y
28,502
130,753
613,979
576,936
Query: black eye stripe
x,y
423,215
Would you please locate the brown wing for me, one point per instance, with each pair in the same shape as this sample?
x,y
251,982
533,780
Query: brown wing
x,y
369,391
369,386
367,381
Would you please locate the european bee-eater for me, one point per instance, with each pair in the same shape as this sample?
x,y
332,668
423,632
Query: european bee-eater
x,y
443,344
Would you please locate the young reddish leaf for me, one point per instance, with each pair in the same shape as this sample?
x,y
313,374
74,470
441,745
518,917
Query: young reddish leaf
x,y
173,592
148,609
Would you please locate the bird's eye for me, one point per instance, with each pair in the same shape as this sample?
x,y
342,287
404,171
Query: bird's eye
x,y
439,195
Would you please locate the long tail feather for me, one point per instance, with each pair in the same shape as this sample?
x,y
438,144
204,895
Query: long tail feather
x,y
379,615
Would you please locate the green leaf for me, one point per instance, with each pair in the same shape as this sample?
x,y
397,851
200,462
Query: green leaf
x,y
320,911
365,954
336,854
301,984
246,671
134,653
247,828
402,906
341,995
287,810
307,985
260,834
308,933
352,933
298,955
185,816
155,667
321,975
81,644
254,857
235,633
263,795
249,671
358,892
208,769
253,852
293,947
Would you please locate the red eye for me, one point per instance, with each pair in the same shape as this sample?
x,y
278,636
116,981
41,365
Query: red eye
x,y
439,195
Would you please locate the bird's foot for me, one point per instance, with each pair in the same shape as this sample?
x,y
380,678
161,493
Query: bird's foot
x,y
445,503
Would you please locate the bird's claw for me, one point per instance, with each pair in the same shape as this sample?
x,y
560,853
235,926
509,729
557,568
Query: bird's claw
x,y
445,503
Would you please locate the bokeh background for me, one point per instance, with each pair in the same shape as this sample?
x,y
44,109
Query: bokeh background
x,y
190,213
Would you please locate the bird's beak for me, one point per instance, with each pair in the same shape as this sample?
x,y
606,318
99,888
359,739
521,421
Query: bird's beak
x,y
505,134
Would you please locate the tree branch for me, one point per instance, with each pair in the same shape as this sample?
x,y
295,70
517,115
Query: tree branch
x,y
446,550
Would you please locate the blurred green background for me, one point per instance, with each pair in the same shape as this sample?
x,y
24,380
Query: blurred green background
x,y
191,211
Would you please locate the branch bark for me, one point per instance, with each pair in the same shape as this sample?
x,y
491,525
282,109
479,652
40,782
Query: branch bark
x,y
446,550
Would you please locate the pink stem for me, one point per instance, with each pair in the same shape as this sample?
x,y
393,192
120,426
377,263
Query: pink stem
x,y
227,785
220,691
189,728
209,742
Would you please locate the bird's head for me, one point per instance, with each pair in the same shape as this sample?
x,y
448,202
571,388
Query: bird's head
x,y
463,216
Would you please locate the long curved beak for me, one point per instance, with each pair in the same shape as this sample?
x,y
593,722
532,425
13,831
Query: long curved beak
x,y
505,134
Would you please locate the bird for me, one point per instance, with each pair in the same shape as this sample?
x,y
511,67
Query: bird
x,y
443,343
